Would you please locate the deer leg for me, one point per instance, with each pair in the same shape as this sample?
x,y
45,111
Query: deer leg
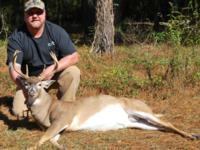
x,y
162,125
56,144
170,127
52,132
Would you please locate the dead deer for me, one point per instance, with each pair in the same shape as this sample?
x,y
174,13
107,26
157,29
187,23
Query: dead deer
x,y
96,113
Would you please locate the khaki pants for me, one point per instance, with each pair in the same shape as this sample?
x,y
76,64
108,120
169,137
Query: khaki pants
x,y
67,84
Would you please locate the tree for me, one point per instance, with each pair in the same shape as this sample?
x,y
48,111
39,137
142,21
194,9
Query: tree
x,y
104,31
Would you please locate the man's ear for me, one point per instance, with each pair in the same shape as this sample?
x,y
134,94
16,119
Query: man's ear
x,y
46,84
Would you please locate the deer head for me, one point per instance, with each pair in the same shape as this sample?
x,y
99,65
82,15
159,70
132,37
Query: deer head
x,y
33,85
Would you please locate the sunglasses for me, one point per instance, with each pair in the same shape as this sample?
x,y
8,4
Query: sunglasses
x,y
35,12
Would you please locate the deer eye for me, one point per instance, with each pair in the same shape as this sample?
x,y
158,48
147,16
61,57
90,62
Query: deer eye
x,y
26,85
39,84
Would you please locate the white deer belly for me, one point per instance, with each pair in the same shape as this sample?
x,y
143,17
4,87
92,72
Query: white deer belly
x,y
111,117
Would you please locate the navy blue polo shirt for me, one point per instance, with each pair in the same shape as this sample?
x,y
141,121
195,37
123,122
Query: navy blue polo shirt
x,y
35,52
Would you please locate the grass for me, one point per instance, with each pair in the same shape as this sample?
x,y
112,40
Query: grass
x,y
166,77
136,68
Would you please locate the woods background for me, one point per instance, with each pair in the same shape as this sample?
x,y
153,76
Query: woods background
x,y
135,20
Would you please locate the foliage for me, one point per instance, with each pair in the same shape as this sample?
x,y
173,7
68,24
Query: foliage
x,y
183,26
4,28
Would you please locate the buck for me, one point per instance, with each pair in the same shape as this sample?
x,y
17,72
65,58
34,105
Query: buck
x,y
96,113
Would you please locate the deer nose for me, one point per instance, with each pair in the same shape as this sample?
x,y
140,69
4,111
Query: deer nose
x,y
32,92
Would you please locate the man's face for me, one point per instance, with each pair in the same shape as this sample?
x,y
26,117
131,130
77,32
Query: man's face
x,y
35,18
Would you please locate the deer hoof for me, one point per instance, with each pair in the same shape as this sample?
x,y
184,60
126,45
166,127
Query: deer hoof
x,y
196,136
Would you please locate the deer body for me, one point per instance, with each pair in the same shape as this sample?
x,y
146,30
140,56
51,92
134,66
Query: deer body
x,y
96,113
111,115
100,113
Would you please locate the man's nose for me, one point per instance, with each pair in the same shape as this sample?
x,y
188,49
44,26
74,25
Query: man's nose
x,y
35,15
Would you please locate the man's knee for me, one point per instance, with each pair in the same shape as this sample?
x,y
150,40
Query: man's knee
x,y
71,73
74,71
69,81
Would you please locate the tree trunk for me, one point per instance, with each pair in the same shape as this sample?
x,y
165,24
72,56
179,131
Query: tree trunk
x,y
104,31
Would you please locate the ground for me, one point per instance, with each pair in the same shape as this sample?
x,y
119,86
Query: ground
x,y
181,108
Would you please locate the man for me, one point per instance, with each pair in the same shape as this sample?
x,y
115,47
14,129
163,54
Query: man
x,y
35,40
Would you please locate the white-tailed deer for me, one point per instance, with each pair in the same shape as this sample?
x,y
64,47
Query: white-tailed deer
x,y
96,113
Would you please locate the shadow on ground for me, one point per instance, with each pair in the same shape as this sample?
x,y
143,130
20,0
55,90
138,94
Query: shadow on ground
x,y
10,120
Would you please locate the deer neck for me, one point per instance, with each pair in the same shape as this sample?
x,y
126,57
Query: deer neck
x,y
40,109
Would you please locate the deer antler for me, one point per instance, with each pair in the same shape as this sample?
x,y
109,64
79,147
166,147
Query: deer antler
x,y
25,76
53,56
40,77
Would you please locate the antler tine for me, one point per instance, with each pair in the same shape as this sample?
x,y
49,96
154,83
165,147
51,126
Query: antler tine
x,y
25,76
41,77
27,71
54,57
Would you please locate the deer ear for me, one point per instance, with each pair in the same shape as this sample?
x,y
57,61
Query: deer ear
x,y
46,84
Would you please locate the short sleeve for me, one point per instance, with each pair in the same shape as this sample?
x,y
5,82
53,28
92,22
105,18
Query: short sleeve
x,y
13,45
